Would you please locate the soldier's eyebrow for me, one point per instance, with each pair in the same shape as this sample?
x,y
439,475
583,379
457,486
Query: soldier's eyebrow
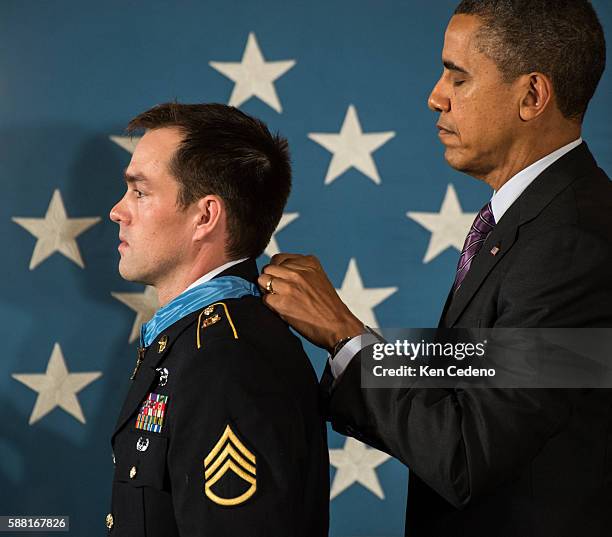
x,y
133,178
451,66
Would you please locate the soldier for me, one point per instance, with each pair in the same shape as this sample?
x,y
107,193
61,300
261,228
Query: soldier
x,y
221,432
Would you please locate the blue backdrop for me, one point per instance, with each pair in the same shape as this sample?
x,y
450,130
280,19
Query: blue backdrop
x,y
72,73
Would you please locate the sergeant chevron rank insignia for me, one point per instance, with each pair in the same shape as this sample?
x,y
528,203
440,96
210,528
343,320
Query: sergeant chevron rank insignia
x,y
228,454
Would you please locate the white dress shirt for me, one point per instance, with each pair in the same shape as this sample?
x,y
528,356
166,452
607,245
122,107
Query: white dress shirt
x,y
500,202
504,197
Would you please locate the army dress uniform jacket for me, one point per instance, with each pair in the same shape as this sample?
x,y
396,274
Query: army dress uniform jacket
x,y
221,432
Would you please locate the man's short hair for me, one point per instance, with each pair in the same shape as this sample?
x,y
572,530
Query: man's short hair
x,y
230,154
562,39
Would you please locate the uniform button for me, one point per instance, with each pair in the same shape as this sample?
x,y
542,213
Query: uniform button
x,y
110,521
133,472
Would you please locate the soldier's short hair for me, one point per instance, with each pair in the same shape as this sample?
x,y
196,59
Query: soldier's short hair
x,y
230,154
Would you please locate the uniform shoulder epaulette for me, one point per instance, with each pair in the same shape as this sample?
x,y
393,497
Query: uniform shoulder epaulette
x,y
215,318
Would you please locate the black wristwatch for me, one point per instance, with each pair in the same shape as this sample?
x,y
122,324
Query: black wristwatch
x,y
339,344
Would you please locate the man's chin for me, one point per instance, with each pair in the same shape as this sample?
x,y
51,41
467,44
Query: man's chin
x,y
457,160
131,275
453,158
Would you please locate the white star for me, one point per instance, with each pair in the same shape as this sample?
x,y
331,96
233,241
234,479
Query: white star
x,y
449,226
359,299
128,143
356,463
254,76
285,220
352,148
56,232
57,387
145,304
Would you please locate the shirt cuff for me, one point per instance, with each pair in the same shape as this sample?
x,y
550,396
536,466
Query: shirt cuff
x,y
348,351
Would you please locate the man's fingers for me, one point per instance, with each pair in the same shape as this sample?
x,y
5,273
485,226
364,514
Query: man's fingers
x,y
278,284
273,301
283,259
280,271
277,259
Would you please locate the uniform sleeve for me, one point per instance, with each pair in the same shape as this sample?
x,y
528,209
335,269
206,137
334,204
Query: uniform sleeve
x,y
464,443
237,446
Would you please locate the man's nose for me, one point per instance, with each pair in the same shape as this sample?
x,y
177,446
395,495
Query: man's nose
x,y
438,101
117,214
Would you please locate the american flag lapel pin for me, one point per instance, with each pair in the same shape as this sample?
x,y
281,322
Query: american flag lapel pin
x,y
495,249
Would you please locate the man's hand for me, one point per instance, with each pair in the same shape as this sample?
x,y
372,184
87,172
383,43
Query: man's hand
x,y
301,293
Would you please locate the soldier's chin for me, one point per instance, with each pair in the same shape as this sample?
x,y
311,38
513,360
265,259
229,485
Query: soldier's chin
x,y
129,273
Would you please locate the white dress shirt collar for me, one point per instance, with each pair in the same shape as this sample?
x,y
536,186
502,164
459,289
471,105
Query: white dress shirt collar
x,y
509,192
210,275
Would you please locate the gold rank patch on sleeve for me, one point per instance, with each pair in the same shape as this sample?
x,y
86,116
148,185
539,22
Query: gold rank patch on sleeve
x,y
211,315
229,453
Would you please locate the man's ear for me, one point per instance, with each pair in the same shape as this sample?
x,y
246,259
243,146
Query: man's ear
x,y
538,93
209,213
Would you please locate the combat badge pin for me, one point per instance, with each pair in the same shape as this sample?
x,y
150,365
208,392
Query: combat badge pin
x,y
228,454
163,376
163,341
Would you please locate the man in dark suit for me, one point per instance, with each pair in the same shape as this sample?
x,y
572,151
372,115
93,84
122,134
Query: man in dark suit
x,y
221,432
517,79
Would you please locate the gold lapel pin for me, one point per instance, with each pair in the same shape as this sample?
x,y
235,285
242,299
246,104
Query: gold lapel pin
x,y
163,341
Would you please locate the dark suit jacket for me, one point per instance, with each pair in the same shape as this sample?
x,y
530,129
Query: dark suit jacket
x,y
242,447
511,462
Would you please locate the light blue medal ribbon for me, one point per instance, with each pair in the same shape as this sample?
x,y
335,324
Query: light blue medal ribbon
x,y
192,300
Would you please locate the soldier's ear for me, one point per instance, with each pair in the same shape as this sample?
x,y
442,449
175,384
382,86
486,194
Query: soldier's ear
x,y
209,213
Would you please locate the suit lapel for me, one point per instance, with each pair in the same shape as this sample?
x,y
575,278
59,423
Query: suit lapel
x,y
503,237
449,298
528,206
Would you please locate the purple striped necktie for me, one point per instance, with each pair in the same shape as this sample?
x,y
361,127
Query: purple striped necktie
x,y
480,230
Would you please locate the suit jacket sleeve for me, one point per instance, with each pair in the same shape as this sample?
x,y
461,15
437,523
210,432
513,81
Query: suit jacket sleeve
x,y
236,446
462,443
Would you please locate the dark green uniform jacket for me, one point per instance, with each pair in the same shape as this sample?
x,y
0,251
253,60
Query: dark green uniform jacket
x,y
221,432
